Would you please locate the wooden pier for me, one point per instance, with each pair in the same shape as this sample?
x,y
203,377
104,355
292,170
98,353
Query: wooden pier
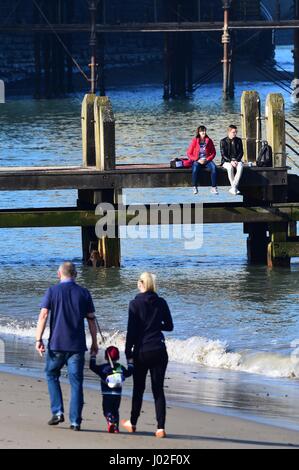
x,y
53,27
126,177
269,211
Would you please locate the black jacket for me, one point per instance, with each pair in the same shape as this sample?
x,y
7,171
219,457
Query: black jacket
x,y
225,148
149,315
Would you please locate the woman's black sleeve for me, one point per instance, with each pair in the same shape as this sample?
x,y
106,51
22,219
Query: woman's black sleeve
x,y
167,324
131,333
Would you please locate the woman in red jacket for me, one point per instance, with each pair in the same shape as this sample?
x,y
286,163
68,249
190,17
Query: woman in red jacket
x,y
202,152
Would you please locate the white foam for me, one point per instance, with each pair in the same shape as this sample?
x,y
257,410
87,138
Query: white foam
x,y
270,365
14,329
215,354
194,350
203,351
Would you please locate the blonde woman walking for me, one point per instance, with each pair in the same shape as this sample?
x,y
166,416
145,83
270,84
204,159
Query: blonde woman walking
x,y
149,315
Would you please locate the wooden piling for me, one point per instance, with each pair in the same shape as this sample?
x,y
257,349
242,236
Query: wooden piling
x,y
275,128
231,71
108,247
69,12
47,93
88,136
279,250
98,131
281,247
257,243
190,80
251,124
296,42
104,126
166,95
226,45
37,56
104,129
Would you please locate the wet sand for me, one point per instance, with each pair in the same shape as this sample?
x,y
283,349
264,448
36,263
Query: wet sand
x,y
24,412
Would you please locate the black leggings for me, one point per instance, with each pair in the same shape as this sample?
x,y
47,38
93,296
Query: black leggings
x,y
111,404
155,362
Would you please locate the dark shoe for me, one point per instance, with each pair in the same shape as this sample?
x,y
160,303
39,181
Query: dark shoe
x,y
111,428
56,420
75,428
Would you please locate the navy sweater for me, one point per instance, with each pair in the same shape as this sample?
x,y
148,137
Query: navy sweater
x,y
149,315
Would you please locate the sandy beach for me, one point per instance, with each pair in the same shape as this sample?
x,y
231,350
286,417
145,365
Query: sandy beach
x,y
24,412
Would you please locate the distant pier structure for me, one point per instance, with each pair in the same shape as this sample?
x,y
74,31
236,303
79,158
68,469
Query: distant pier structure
x,y
49,40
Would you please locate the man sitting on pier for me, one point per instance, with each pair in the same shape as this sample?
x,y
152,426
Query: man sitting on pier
x,y
232,153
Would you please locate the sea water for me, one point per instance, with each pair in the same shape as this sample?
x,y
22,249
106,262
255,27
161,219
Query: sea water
x,y
234,346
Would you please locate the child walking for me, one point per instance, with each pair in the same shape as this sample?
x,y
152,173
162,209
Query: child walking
x,y
112,376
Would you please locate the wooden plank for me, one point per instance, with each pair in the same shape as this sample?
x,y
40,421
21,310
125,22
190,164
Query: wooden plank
x,y
212,214
128,177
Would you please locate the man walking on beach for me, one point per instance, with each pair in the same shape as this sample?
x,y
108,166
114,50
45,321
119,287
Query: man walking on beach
x,y
232,153
69,305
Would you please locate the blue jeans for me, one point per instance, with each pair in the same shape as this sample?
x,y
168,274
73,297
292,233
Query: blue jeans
x,y
196,169
75,364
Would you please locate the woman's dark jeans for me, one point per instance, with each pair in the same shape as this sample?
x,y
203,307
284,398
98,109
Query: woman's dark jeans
x,y
156,363
197,168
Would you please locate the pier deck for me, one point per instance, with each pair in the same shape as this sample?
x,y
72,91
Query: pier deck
x,y
126,176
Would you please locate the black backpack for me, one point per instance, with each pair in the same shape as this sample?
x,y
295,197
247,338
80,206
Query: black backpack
x,y
265,157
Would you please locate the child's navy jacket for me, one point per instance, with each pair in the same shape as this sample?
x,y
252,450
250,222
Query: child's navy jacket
x,y
104,370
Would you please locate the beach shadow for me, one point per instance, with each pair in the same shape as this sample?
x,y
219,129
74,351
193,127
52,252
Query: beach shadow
x,y
185,437
83,430
232,441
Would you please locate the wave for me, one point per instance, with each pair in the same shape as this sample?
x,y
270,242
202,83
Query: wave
x,y
197,350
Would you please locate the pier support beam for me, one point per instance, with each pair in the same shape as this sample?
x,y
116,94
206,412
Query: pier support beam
x,y
69,12
109,248
227,89
98,131
166,94
296,42
257,243
279,249
53,72
178,63
273,249
275,128
88,137
104,130
251,124
178,52
37,56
